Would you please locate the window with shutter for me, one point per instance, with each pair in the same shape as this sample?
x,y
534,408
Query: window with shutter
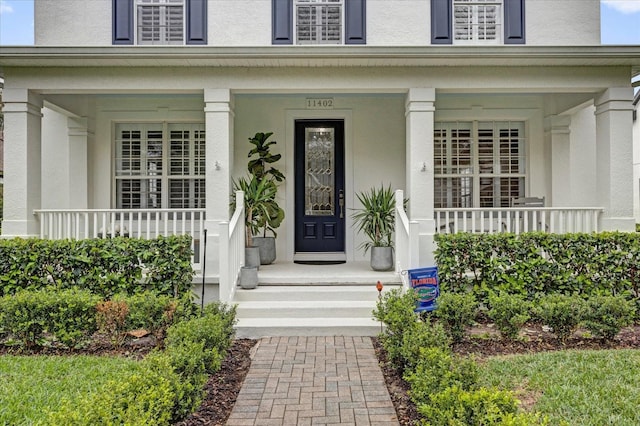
x,y
160,21
160,165
319,21
477,21
478,164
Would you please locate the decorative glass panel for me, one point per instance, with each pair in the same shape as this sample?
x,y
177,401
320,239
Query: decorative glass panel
x,y
320,171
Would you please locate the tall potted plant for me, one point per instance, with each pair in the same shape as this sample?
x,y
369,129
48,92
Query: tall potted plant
x,y
260,166
376,220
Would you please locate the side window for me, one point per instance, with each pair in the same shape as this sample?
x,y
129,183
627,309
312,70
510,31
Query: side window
x,y
161,22
318,22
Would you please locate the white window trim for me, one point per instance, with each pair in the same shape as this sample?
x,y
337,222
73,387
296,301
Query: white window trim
x,y
159,3
166,176
475,162
318,3
499,22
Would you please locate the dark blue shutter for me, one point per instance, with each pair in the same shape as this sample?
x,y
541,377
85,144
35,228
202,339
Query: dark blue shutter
x,y
441,21
514,22
122,22
282,21
196,22
355,18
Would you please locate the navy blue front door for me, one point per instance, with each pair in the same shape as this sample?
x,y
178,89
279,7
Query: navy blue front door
x,y
319,186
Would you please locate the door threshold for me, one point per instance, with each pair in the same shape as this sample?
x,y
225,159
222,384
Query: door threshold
x,y
318,258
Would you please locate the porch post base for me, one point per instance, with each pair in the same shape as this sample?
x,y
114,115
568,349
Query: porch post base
x,y
427,242
623,224
20,228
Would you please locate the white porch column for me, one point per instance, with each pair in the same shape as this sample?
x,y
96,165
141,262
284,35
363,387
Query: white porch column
x,y
22,162
219,140
614,148
560,128
419,167
78,157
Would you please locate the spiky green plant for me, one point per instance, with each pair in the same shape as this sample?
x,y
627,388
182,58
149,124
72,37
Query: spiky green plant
x,y
376,218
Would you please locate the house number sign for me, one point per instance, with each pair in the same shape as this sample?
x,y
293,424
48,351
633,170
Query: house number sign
x,y
319,103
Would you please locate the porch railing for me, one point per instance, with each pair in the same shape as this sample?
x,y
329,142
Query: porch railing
x,y
557,220
232,250
406,238
138,223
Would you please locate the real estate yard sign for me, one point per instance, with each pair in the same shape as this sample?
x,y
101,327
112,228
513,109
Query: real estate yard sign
x,y
424,281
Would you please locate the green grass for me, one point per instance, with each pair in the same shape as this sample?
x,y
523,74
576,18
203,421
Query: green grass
x,y
578,387
31,386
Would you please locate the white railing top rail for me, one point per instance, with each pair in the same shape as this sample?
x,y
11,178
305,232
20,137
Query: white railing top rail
x,y
515,209
118,211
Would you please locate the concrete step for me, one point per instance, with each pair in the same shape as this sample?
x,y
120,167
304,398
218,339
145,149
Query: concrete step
x,y
310,293
306,309
255,328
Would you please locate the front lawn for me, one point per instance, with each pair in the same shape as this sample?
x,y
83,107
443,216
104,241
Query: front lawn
x,y
30,386
578,387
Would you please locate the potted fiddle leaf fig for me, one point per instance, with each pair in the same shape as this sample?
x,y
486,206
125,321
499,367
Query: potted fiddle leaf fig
x,y
268,219
376,220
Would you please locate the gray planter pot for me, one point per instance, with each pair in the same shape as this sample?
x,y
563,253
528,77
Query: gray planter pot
x,y
252,256
248,277
381,258
267,246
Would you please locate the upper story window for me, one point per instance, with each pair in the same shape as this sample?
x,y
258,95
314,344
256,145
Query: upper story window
x,y
319,21
477,21
160,21
323,22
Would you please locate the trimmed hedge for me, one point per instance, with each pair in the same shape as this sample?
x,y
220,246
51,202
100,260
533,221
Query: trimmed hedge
x,y
103,266
584,264
169,384
68,315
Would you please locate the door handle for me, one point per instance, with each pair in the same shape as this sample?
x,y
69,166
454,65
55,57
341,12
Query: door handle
x,y
341,203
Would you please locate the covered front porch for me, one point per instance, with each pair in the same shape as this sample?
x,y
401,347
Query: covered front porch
x,y
137,151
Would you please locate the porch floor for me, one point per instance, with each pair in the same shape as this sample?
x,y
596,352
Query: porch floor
x,y
350,273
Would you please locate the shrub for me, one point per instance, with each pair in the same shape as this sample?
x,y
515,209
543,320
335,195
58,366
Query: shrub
x,y
606,315
149,311
560,312
396,310
509,312
456,311
214,330
68,315
103,266
458,406
420,335
112,320
438,369
143,398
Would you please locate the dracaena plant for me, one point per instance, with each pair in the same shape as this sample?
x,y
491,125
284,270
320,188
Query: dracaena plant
x,y
376,218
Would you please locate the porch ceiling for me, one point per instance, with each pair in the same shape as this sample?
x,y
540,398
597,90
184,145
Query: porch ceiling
x,y
320,56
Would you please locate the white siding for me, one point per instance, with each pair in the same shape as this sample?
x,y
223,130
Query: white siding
x,y
248,22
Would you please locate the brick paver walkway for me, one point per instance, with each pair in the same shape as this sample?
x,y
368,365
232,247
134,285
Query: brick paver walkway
x,y
314,381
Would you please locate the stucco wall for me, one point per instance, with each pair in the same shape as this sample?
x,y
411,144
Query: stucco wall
x,y
248,22
636,164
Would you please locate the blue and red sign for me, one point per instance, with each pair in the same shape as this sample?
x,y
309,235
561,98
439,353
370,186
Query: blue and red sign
x,y
424,281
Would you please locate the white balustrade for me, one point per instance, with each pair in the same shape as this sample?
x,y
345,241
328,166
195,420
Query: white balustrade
x,y
557,220
137,223
232,259
406,238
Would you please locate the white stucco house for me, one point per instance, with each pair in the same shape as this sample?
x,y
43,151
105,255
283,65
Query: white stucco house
x,y
136,113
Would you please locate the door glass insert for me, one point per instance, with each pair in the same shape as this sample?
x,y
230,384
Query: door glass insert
x,y
320,172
